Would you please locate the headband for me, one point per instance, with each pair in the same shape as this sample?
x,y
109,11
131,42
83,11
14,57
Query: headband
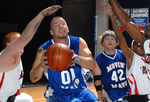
x,y
109,35
132,44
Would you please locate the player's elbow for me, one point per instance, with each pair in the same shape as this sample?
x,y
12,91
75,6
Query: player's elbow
x,y
33,80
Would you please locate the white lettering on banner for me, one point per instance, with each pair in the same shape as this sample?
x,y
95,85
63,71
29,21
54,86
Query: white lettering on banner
x,y
139,15
140,11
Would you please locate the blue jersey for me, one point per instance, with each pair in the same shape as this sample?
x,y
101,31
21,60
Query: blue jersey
x,y
67,81
113,68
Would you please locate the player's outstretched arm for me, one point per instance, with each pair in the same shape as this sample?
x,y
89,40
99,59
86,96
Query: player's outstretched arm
x,y
122,42
125,20
13,51
32,27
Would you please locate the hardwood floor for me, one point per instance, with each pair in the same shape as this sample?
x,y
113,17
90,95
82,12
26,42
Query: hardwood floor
x,y
37,91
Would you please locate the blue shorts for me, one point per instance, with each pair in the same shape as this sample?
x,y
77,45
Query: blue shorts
x,y
84,96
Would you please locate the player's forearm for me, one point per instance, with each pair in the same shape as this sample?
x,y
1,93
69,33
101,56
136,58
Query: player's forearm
x,y
122,42
125,20
98,86
120,13
116,29
87,62
36,73
99,94
32,27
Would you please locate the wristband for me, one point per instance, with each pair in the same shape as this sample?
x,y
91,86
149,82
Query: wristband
x,y
78,59
98,88
97,77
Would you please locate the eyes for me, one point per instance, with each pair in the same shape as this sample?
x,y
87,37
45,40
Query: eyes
x,y
59,25
110,38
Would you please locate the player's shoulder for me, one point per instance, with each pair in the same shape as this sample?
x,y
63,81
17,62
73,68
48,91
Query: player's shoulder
x,y
74,40
119,51
99,57
47,44
147,42
73,37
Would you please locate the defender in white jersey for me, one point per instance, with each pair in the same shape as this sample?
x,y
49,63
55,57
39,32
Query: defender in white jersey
x,y
137,77
136,70
147,56
138,35
11,71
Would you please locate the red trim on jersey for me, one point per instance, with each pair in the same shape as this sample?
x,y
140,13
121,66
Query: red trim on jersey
x,y
136,90
130,91
18,92
1,82
149,45
131,83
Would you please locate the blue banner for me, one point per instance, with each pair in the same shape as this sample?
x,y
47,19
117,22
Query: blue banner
x,y
139,16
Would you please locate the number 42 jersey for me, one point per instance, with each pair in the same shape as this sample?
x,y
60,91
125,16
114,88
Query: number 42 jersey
x,y
113,68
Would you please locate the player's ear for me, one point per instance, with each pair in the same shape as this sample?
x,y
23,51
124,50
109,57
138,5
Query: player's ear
x,y
51,32
103,43
68,29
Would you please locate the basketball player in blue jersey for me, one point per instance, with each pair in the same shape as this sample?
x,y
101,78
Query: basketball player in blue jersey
x,y
68,85
110,71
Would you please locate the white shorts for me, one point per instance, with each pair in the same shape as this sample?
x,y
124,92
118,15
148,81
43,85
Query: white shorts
x,y
23,97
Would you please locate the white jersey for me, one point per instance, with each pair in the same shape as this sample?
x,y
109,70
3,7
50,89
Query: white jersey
x,y
147,46
147,56
10,82
137,77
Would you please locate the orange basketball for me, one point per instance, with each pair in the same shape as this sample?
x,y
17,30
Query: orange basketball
x,y
59,57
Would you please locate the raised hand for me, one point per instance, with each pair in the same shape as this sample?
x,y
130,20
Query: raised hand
x,y
50,10
107,7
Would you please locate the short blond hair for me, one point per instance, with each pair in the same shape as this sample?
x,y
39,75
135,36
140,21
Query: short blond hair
x,y
101,38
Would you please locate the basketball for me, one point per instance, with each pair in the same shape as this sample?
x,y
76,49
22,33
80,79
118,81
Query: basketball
x,y
59,57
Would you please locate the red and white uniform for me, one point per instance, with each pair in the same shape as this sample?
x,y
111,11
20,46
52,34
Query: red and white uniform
x,y
147,47
147,56
10,82
137,77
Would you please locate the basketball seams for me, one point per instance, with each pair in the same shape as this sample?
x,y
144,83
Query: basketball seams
x,y
66,64
58,57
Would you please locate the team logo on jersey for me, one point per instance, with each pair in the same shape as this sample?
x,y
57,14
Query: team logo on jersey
x,y
148,73
21,75
76,83
146,58
115,65
144,71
